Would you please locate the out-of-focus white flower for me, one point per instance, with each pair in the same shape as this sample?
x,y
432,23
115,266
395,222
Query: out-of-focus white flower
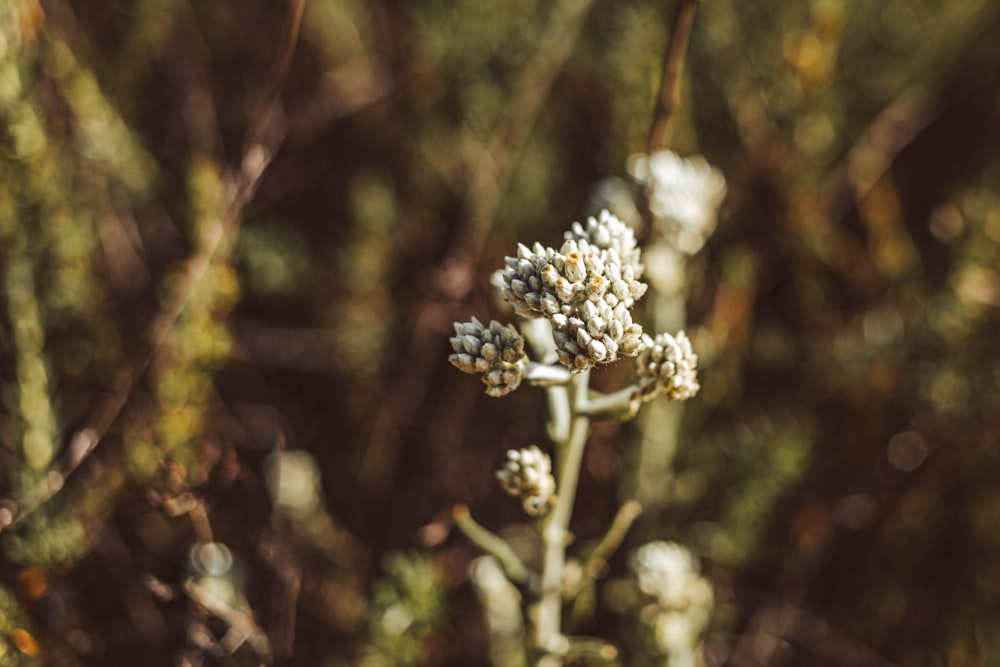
x,y
527,475
585,289
663,571
668,365
680,600
684,196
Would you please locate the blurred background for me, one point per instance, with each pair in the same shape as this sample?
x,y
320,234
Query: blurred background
x,y
231,260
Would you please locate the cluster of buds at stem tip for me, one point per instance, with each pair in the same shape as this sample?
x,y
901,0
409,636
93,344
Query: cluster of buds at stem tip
x,y
496,351
667,365
586,289
527,475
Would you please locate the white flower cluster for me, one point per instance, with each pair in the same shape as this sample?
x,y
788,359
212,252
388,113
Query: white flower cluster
x,y
684,196
527,475
680,600
609,232
585,289
496,351
667,364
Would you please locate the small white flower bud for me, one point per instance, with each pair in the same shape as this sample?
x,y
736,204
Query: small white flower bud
x,y
597,350
527,475
497,352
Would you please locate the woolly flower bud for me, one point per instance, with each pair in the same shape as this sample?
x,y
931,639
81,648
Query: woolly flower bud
x,y
597,334
684,196
667,364
522,281
609,233
527,475
585,289
496,351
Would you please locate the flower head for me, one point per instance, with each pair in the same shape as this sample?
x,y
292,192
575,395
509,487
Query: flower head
x,y
584,288
684,196
608,232
663,571
527,474
496,351
667,365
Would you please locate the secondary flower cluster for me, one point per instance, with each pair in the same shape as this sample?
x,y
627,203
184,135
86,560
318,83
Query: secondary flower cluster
x,y
496,351
680,600
527,475
667,365
684,195
585,289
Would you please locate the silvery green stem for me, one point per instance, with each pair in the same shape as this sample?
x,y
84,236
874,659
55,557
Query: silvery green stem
x,y
546,375
555,530
617,406
491,544
538,332
615,535
560,414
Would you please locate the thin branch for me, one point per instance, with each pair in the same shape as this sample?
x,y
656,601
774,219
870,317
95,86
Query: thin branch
x,y
668,97
242,626
491,544
620,405
624,518
546,375
895,128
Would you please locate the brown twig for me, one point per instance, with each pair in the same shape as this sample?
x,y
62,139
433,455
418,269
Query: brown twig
x,y
778,623
668,97
892,130
260,145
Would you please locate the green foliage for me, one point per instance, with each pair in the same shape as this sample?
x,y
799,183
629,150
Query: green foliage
x,y
408,608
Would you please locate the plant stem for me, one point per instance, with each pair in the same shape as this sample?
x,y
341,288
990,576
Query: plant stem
x,y
491,544
555,532
668,97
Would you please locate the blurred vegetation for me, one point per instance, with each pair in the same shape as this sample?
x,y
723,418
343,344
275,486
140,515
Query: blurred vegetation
x,y
226,416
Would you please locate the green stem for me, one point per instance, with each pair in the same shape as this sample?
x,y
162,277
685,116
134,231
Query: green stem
x,y
626,516
491,544
555,531
560,413
621,405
